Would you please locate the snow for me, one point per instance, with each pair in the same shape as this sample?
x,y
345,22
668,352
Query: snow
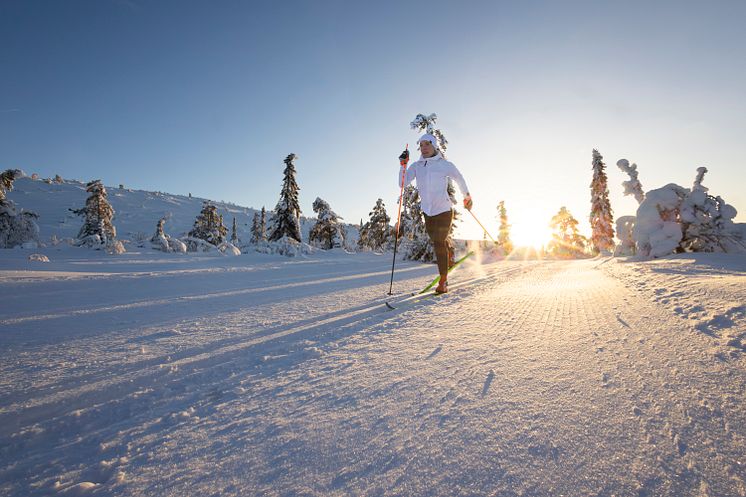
x,y
152,373
137,211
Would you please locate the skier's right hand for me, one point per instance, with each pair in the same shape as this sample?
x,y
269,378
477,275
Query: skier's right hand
x,y
404,158
468,202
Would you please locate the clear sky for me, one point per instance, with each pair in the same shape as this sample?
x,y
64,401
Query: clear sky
x,y
209,97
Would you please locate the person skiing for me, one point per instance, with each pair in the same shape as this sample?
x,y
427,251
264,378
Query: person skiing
x,y
432,171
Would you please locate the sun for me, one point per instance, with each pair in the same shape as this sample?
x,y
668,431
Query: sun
x,y
524,231
530,234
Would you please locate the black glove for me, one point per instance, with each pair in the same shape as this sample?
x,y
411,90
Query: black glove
x,y
404,157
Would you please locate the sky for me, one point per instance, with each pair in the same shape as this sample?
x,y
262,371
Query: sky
x,y
208,98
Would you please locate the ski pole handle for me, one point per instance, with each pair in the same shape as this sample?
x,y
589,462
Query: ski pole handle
x,y
404,157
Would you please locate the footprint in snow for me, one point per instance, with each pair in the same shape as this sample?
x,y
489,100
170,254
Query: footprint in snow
x,y
435,352
488,382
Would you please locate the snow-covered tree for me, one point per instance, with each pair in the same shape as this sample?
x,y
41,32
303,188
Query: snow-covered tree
x,y
259,227
503,233
376,233
209,225
327,233
602,232
234,233
625,229
15,228
677,219
566,240
633,186
423,123
263,225
286,217
163,242
98,215
417,243
255,229
625,226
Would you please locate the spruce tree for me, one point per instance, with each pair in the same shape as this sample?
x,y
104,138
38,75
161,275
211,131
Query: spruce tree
x,y
15,228
602,231
209,225
98,213
419,247
263,226
566,240
427,124
255,229
286,217
375,234
234,234
327,233
503,234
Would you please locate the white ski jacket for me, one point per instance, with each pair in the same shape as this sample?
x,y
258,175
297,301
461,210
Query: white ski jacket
x,y
432,182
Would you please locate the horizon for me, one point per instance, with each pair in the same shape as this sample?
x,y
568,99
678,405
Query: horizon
x,y
208,100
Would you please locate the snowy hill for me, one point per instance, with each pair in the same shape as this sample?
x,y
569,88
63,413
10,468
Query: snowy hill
x,y
137,211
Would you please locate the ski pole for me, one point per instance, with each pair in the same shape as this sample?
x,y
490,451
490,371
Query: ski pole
x,y
403,159
481,225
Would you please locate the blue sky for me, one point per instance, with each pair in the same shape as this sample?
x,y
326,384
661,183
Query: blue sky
x,y
209,97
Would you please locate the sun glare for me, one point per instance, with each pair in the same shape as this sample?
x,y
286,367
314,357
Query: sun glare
x,y
524,232
530,235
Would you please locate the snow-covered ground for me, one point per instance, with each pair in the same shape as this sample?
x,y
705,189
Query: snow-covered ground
x,y
201,374
166,374
136,211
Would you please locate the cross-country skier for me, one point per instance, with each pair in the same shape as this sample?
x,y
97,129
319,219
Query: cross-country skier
x,y
432,172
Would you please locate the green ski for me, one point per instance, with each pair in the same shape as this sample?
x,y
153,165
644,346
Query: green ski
x,y
437,278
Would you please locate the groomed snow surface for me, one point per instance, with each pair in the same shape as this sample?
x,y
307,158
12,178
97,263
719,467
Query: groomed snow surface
x,y
153,374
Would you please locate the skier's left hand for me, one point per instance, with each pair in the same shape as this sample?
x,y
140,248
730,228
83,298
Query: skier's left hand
x,y
468,203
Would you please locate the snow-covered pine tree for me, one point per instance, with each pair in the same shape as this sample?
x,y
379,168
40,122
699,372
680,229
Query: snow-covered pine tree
x,y
601,218
706,220
98,214
286,217
625,229
633,186
418,245
208,225
327,233
503,234
423,123
677,219
234,233
566,240
163,242
256,229
625,226
362,237
6,185
376,233
15,228
263,226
